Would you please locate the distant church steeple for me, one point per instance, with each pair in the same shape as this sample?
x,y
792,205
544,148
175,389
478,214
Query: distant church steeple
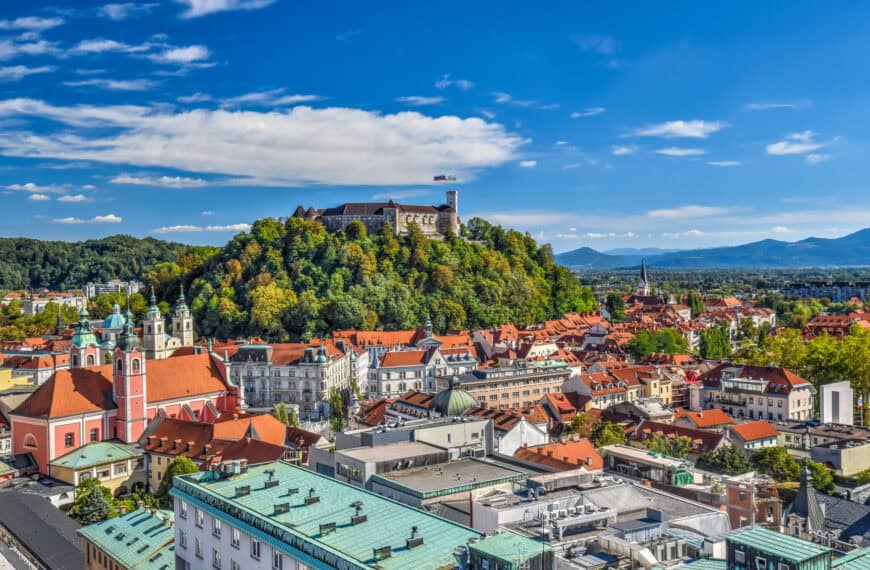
x,y
643,287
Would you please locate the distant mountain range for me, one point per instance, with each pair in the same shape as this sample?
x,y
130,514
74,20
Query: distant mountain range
x,y
850,250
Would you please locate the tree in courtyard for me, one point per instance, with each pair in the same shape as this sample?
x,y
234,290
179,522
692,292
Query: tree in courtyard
x,y
93,502
776,462
607,433
716,342
680,446
727,460
293,418
580,424
696,304
615,306
823,478
337,410
179,466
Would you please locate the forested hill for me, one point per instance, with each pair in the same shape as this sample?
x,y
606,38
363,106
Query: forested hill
x,y
293,279
61,265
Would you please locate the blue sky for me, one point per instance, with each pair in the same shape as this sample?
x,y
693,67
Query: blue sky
x,y
669,124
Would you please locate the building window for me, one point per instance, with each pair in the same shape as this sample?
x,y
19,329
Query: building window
x,y
200,518
68,439
182,539
120,469
234,565
277,560
30,441
215,558
197,548
216,527
255,549
135,365
760,563
95,434
90,360
103,473
182,509
739,557
235,538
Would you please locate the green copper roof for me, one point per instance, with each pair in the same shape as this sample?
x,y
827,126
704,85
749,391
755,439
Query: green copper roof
x,y
857,560
509,548
136,540
787,546
116,320
453,401
181,305
96,453
279,515
705,564
128,339
84,336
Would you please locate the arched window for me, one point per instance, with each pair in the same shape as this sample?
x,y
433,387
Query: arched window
x,y
75,360
30,442
120,365
91,360
187,326
135,365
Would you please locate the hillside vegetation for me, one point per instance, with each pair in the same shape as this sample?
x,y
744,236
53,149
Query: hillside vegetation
x,y
293,279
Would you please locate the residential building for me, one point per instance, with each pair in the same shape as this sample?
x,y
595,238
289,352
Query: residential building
x,y
257,439
296,373
805,435
713,419
509,551
119,467
37,367
645,464
279,516
515,428
602,389
757,392
753,499
35,303
116,401
750,436
847,458
514,387
91,290
397,372
752,548
144,538
39,533
433,221
563,456
703,441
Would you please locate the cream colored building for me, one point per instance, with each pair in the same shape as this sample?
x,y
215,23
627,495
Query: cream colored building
x,y
119,467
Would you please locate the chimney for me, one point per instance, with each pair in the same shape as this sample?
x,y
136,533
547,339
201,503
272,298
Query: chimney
x,y
140,504
122,509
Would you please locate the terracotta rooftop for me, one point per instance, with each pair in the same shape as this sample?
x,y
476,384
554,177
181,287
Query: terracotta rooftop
x,y
751,431
563,456
708,418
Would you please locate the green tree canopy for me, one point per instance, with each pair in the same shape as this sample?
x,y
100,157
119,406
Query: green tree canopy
x,y
607,433
615,306
727,460
680,446
179,466
668,341
776,462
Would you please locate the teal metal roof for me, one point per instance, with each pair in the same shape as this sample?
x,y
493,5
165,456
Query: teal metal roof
x,y
115,320
857,560
300,529
510,548
705,564
136,540
96,453
784,545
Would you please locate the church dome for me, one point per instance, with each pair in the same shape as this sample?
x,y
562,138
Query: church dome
x,y
453,401
116,320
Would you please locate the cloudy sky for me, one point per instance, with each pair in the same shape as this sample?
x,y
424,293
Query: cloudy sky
x,y
672,124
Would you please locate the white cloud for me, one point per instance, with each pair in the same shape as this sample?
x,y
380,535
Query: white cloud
x,y
690,211
525,219
19,72
588,112
197,8
767,105
689,233
598,235
270,98
419,101
163,181
335,145
207,213
781,230
724,163
596,43
32,187
507,99
676,151
31,23
125,10
528,163
115,84
818,158
795,143
181,55
623,150
446,82
195,98
10,49
188,228
107,219
102,45
39,197
694,129
74,198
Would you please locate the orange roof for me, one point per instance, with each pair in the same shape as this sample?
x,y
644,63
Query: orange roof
x,y
85,390
563,456
751,431
404,358
267,427
709,418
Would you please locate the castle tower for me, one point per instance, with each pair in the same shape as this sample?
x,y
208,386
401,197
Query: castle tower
x,y
182,321
643,287
154,331
84,348
129,387
453,200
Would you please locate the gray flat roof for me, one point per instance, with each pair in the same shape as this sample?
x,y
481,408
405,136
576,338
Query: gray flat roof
x,y
44,530
451,475
390,451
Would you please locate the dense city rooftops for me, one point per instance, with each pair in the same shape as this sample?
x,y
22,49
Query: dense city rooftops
x,y
141,539
784,545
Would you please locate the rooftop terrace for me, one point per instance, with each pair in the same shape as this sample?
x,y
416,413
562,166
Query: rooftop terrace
x,y
449,478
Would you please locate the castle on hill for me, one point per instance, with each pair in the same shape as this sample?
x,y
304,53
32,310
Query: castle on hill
x,y
434,221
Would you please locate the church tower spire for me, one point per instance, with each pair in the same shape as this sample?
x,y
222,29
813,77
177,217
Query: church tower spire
x,y
129,385
154,331
182,321
643,286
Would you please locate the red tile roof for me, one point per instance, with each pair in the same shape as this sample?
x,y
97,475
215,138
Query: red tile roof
x,y
702,441
404,358
751,431
85,390
709,418
563,456
780,380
